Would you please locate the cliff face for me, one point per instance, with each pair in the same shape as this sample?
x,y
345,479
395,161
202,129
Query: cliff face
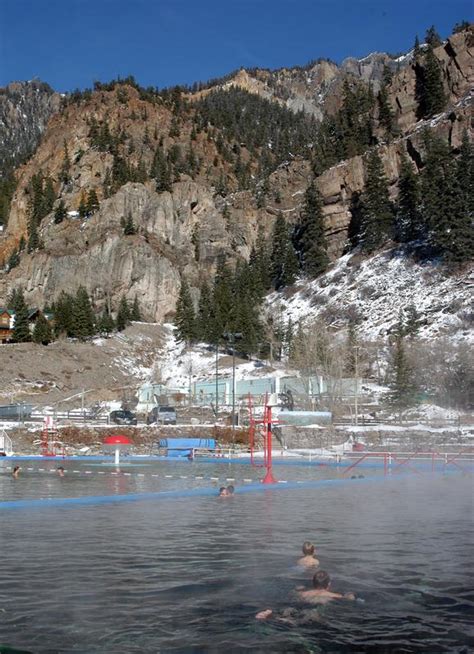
x,y
25,108
183,231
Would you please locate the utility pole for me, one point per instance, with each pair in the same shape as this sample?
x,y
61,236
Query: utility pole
x,y
231,337
217,379
356,392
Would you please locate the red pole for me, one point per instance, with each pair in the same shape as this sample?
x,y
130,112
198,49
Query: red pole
x,y
269,478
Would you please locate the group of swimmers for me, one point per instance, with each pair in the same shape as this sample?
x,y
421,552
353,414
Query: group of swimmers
x,y
16,471
320,592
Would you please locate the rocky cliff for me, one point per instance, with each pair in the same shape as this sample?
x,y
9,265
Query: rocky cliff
x,y
25,108
182,231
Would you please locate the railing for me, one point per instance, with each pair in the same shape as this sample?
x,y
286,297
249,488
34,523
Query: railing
x,y
395,461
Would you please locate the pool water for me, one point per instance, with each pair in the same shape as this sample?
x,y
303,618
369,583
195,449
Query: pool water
x,y
190,573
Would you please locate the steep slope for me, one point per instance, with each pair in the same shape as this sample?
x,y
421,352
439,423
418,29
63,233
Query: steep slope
x,y
110,141
25,108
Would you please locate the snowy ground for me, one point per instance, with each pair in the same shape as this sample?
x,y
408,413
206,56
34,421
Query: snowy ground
x,y
377,290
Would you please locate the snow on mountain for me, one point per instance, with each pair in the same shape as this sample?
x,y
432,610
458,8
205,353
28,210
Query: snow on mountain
x,y
376,290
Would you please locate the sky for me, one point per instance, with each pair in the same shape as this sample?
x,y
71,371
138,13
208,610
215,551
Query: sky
x,y
71,43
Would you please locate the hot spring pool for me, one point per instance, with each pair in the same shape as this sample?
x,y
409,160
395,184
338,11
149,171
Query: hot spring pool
x,y
188,574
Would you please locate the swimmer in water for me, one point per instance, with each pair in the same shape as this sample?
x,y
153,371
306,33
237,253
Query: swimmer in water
x,y
230,490
16,472
223,492
308,560
319,594
60,471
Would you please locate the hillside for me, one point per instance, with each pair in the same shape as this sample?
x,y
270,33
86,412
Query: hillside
x,y
203,174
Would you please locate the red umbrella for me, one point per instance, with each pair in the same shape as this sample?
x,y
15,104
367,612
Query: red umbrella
x,y
117,442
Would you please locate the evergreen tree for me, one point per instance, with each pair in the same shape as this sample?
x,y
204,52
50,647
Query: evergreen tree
x,y
49,197
106,324
443,206
417,49
42,331
222,300
135,313
129,226
432,37
402,384
92,203
21,329
205,317
82,206
465,175
123,314
13,260
33,238
412,321
83,316
185,318
160,171
284,262
64,175
64,315
376,208
429,88
352,344
310,238
409,226
386,116
60,212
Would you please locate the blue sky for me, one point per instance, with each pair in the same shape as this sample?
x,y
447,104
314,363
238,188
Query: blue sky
x,y
71,43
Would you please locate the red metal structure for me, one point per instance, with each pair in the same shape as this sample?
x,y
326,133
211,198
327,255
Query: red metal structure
x,y
50,445
266,432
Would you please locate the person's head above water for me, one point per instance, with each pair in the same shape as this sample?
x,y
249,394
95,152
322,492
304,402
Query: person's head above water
x,y
321,580
223,491
230,489
308,548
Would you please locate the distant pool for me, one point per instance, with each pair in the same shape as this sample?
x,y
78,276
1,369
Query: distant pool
x,y
189,574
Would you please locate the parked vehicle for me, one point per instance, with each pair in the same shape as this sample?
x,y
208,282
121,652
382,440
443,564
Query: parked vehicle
x,y
163,415
15,411
123,417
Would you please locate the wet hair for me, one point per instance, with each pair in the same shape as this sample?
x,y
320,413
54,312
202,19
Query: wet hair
x,y
321,579
16,468
230,489
308,548
60,468
222,489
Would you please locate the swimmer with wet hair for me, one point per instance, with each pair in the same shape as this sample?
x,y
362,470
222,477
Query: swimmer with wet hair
x,y
308,560
230,489
223,492
60,471
16,472
320,593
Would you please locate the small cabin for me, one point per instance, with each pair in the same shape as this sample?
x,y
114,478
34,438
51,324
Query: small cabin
x,y
7,320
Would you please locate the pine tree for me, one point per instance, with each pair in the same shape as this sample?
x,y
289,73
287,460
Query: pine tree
x,y
284,262
33,238
185,318
82,206
106,324
443,207
310,238
412,321
64,315
60,212
409,225
352,344
42,330
123,314
417,49
205,317
403,387
465,174
222,300
376,208
160,171
135,313
21,329
432,37
129,226
49,197
92,203
83,317
430,91
386,116
64,175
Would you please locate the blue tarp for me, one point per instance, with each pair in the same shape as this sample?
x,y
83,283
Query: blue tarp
x,y
184,446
